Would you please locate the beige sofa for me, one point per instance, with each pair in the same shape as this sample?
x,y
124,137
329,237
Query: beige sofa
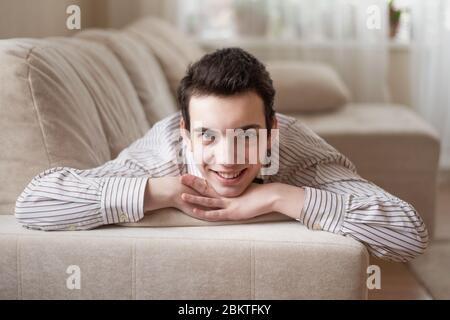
x,y
78,101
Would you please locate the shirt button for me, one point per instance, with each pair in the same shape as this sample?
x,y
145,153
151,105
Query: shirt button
x,y
123,217
72,227
316,226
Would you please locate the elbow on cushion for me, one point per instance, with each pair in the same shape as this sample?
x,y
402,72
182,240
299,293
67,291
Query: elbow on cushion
x,y
417,239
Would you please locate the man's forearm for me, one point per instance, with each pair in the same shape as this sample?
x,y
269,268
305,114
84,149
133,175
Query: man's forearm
x,y
289,199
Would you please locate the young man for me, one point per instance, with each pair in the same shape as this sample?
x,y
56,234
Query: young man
x,y
198,172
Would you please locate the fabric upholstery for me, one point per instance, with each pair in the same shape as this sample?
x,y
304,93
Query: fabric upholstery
x,y
123,118
178,41
173,51
170,217
306,87
65,102
142,68
47,116
277,260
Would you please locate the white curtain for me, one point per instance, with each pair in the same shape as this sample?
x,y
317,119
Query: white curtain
x,y
350,35
430,63
354,37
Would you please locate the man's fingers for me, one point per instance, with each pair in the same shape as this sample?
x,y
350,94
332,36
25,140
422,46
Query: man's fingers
x,y
195,183
211,215
203,201
198,184
188,209
205,214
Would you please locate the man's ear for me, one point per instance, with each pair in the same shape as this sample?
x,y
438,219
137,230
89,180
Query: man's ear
x,y
274,122
185,134
274,126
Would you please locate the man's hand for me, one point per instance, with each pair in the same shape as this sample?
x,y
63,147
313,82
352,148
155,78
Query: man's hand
x,y
256,200
166,192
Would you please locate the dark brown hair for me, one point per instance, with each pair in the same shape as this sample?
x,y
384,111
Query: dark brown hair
x,y
226,72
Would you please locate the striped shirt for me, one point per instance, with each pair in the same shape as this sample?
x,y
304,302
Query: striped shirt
x,y
336,200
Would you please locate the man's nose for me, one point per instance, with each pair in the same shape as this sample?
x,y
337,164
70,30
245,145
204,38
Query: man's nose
x,y
225,152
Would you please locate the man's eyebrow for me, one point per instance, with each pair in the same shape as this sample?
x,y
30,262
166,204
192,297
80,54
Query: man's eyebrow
x,y
249,126
202,129
246,127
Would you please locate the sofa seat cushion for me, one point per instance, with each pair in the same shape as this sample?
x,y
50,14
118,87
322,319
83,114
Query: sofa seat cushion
x,y
171,217
274,260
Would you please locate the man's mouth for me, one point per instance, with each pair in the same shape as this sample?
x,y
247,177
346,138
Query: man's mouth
x,y
229,177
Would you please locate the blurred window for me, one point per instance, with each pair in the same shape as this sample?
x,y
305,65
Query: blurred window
x,y
314,20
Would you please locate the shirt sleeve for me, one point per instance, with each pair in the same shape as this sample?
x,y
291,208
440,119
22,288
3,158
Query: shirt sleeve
x,y
63,198
338,200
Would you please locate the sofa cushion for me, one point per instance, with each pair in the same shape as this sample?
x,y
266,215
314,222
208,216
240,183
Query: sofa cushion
x,y
167,49
47,116
142,68
64,102
179,41
170,217
277,260
306,87
123,118
376,128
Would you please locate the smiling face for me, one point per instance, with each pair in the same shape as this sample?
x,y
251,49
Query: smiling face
x,y
217,124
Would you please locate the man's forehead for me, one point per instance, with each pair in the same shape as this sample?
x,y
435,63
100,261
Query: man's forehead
x,y
227,112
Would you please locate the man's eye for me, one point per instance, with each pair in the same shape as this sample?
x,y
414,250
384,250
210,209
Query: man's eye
x,y
247,134
208,135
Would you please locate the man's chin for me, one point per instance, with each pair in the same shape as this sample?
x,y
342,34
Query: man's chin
x,y
229,192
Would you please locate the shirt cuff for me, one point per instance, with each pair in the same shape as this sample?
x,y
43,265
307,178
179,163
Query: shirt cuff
x,y
323,210
123,199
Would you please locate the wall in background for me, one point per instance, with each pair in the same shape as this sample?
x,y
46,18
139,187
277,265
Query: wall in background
x,y
399,80
41,18
118,13
32,18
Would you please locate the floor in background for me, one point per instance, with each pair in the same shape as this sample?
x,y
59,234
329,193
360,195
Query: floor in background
x,y
428,276
398,282
433,268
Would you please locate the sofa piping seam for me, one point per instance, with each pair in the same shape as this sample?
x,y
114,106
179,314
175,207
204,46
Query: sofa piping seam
x,y
38,116
205,239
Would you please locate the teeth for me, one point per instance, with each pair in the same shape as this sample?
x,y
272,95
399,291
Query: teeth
x,y
229,175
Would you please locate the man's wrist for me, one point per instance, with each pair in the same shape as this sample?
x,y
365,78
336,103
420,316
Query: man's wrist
x,y
288,200
159,193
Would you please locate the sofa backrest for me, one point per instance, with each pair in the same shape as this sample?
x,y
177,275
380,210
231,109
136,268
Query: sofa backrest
x,y
79,101
63,102
173,49
142,68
